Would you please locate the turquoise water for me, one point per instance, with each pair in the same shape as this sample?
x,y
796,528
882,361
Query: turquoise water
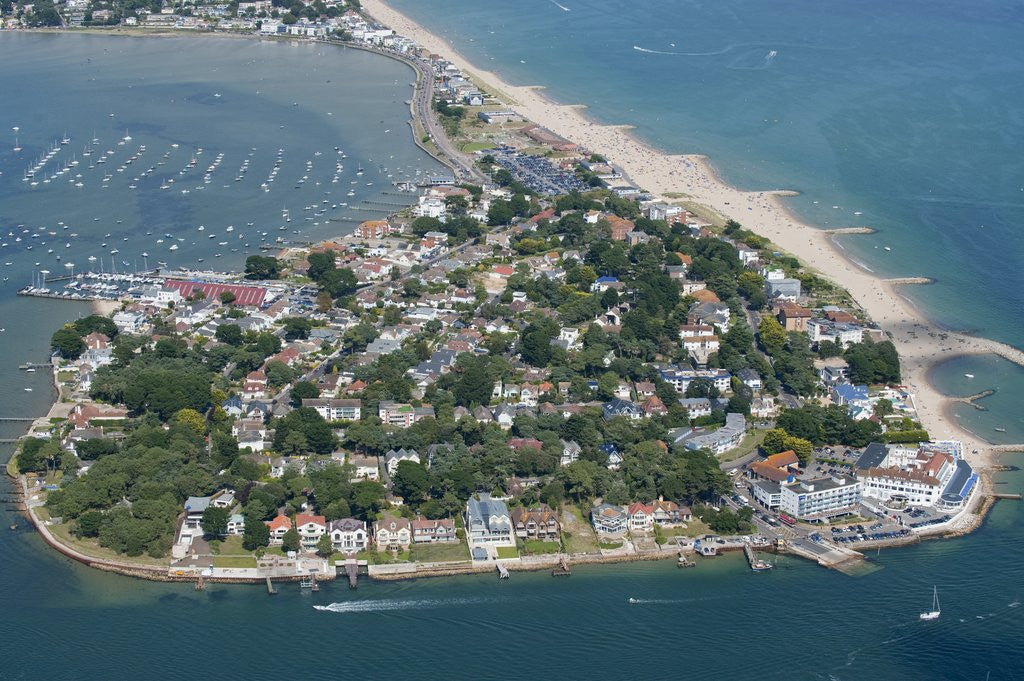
x,y
907,113
718,620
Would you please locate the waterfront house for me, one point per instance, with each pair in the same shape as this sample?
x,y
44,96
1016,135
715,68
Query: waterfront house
x,y
488,521
539,522
641,516
194,509
609,519
349,535
278,527
236,524
392,532
310,529
667,512
431,531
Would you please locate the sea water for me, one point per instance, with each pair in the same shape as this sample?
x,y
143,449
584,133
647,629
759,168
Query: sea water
x,y
902,117
718,620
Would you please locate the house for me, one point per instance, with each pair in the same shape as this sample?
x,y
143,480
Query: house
x,y
194,509
539,522
335,410
236,524
718,441
849,395
395,457
232,406
778,467
615,458
278,527
225,499
604,283
696,406
428,531
310,529
832,370
609,519
785,288
669,512
641,517
570,453
750,378
488,521
841,333
710,313
644,389
624,408
653,406
402,415
392,533
793,317
349,535
366,467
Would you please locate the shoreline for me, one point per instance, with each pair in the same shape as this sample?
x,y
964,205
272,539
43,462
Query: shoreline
x,y
920,342
641,163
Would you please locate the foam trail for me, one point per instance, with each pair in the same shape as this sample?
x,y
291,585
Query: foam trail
x,y
561,7
386,605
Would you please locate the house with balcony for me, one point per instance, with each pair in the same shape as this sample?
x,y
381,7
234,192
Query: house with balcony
x,y
310,529
488,521
433,531
539,523
392,533
349,535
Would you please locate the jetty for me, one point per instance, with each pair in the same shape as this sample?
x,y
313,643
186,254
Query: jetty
x,y
502,571
563,568
972,399
910,280
352,570
850,230
683,562
1005,495
756,564
270,587
35,365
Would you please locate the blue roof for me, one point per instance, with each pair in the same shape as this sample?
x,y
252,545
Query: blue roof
x,y
848,391
607,280
608,448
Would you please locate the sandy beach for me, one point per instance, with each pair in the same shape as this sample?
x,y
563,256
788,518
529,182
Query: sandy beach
x,y
920,343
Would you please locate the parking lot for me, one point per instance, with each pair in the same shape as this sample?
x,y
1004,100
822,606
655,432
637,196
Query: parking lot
x,y
536,173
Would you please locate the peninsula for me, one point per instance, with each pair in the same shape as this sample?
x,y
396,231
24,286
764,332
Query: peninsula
x,y
570,350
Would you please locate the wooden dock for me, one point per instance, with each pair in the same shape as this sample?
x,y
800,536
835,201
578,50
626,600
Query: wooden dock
x,y
35,365
756,564
502,571
683,561
563,569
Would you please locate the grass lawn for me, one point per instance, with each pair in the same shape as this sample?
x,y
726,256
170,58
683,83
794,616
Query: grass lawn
x,y
507,551
440,553
232,546
610,544
91,548
751,441
694,528
537,547
470,147
577,533
234,561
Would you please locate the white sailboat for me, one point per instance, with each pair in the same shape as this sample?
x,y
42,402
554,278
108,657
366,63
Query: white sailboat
x,y
934,613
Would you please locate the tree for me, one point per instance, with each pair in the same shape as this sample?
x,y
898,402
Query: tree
x,y
774,441
229,333
410,481
291,540
262,266
67,343
227,297
96,323
88,524
296,328
192,419
215,521
803,449
324,547
256,534
474,385
771,334
303,390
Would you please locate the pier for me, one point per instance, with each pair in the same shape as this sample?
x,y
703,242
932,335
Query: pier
x,y
502,571
23,419
684,562
756,564
1005,495
270,587
563,569
27,366
352,570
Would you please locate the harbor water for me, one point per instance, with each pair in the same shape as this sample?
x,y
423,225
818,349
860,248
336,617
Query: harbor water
x,y
717,620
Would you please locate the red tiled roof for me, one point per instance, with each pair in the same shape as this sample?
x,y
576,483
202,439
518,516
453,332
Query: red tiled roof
x,y
251,296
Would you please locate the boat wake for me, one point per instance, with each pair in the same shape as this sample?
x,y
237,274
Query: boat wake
x,y
561,7
388,605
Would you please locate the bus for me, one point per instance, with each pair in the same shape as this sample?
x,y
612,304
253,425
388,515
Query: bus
x,y
786,520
